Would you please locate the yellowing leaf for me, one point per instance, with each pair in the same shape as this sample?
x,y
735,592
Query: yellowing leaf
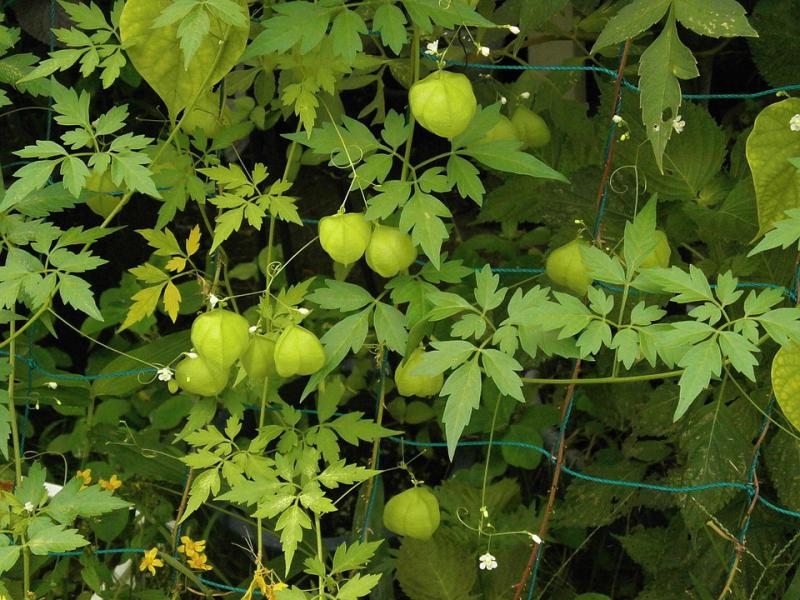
x,y
193,241
144,304
156,52
786,381
176,264
172,300
769,147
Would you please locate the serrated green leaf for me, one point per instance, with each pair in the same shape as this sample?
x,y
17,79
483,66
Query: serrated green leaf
x,y
664,62
630,21
714,18
463,391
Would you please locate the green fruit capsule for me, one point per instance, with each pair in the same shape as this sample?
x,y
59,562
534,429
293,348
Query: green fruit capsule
x,y
566,268
220,336
390,251
413,513
503,130
200,376
409,384
345,236
101,193
443,103
258,359
298,352
531,128
659,257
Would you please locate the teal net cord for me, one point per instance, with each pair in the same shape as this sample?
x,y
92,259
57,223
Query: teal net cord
x,y
750,487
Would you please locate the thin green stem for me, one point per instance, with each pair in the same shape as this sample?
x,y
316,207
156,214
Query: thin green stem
x,y
35,317
320,556
12,410
603,380
262,412
486,466
411,120
376,445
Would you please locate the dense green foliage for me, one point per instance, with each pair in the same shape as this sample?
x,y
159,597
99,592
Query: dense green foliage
x,y
330,300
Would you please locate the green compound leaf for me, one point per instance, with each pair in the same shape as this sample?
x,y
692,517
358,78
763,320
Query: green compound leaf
x,y
714,18
157,54
769,147
786,382
664,62
630,21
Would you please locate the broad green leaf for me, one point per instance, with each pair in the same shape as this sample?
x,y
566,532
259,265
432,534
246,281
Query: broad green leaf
x,y
466,177
786,382
358,586
783,234
463,391
769,147
156,53
340,295
354,556
714,18
291,524
92,501
44,536
700,363
630,21
427,13
422,217
9,554
664,62
502,370
441,568
390,21
390,326
504,156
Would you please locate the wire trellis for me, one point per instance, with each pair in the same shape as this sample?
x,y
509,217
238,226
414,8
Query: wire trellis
x,y
749,487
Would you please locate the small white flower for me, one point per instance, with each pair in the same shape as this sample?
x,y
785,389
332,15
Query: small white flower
x,y
525,95
253,328
487,562
678,124
617,119
433,47
191,355
503,100
52,385
484,512
29,506
303,311
484,50
625,136
513,29
213,300
794,123
536,539
164,374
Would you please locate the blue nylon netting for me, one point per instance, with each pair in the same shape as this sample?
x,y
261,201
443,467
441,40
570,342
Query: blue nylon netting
x,y
749,487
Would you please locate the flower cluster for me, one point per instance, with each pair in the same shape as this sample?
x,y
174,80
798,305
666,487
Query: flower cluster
x,y
195,553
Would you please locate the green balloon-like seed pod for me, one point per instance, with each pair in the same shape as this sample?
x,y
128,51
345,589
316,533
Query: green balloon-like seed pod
x,y
220,336
443,103
200,376
345,236
409,384
298,352
566,268
390,251
413,513
258,359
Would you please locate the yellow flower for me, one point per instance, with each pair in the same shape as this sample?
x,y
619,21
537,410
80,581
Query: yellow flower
x,y
86,475
111,484
190,547
150,562
275,588
198,561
